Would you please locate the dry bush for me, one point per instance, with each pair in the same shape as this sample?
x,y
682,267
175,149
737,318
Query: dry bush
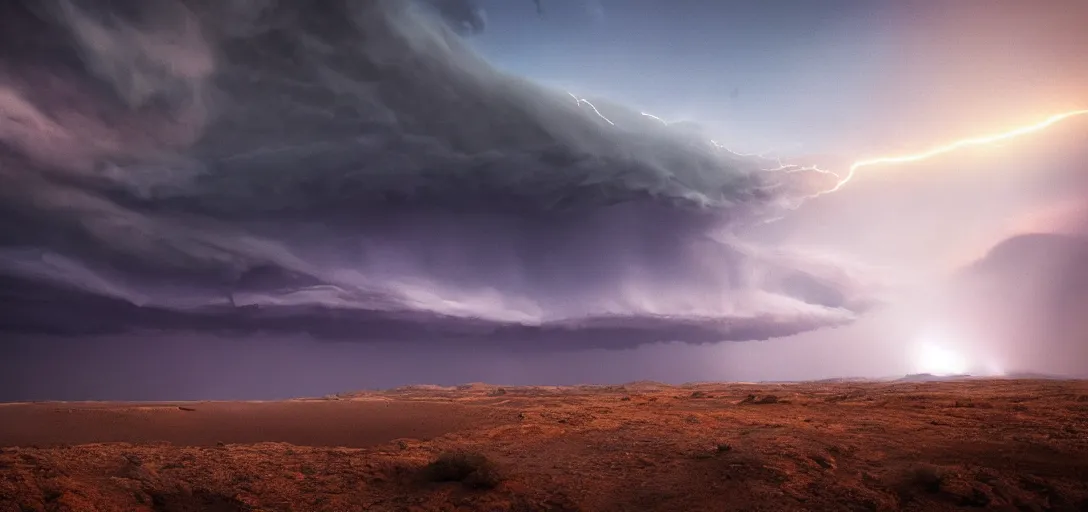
x,y
919,479
926,477
474,470
196,501
761,400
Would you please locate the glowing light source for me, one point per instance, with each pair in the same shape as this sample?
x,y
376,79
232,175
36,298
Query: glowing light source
x,y
935,359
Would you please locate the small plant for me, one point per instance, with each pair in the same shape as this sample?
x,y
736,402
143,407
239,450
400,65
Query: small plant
x,y
473,470
51,495
760,400
497,392
699,394
724,447
928,478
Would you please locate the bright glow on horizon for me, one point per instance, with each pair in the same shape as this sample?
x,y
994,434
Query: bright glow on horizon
x,y
935,359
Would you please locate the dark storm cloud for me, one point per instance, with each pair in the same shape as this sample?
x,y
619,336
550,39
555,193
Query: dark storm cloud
x,y
353,169
463,16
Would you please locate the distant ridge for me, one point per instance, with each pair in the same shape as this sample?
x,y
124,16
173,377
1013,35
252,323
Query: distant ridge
x,y
929,377
1036,376
844,380
646,385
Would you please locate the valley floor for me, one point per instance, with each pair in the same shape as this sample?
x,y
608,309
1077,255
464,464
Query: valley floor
x,y
925,446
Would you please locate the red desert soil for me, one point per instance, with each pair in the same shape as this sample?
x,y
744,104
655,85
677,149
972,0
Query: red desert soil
x,y
974,444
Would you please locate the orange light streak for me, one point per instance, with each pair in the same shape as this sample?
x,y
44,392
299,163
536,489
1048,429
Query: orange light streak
x,y
981,140
940,150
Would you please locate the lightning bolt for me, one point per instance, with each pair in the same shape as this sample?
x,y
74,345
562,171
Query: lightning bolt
x,y
761,156
981,140
582,101
948,148
658,119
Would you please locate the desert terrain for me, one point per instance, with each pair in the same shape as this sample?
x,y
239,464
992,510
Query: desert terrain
x,y
970,444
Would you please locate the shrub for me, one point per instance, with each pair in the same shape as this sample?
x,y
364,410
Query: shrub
x,y
474,470
923,477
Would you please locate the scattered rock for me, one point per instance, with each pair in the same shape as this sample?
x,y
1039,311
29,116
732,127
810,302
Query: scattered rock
x,y
140,473
975,498
824,461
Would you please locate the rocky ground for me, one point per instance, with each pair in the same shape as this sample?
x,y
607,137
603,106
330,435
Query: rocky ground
x,y
986,444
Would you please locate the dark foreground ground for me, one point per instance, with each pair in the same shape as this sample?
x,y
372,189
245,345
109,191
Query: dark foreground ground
x,y
998,445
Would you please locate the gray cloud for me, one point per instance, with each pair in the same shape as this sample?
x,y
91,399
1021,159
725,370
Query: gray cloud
x,y
354,170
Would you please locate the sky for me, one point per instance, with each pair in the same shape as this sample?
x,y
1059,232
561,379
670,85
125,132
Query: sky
x,y
844,77
213,201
